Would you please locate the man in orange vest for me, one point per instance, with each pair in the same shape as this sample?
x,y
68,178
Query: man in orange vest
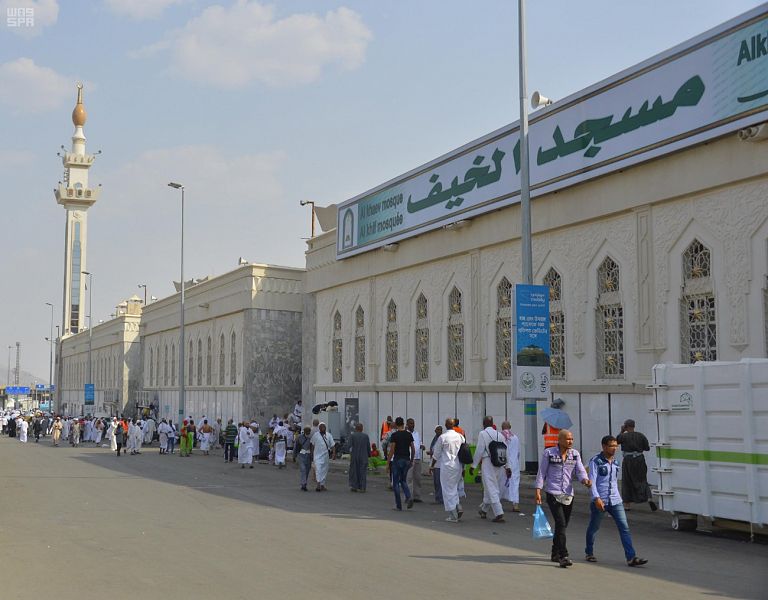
x,y
550,432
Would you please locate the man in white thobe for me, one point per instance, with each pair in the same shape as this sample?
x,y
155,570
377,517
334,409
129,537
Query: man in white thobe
x,y
445,455
323,449
139,439
111,435
298,412
245,446
66,426
280,437
23,429
149,430
509,484
488,471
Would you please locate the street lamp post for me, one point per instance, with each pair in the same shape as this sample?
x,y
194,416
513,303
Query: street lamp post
x,y
8,377
312,216
144,285
178,186
50,359
531,429
90,328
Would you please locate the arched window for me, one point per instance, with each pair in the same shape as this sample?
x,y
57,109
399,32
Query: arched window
x,y
233,359
199,362
190,363
222,361
157,366
422,339
209,362
698,323
174,369
165,365
609,321
360,344
337,347
455,337
556,324
393,343
504,330
151,366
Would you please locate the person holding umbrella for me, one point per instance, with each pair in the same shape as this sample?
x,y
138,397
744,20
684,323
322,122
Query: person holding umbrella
x,y
555,419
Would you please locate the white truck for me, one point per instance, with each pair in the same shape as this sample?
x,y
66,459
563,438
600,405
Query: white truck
x,y
712,442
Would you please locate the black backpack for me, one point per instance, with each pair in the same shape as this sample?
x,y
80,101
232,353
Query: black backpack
x,y
465,454
497,452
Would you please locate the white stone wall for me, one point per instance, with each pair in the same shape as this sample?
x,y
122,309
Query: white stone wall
x,y
644,218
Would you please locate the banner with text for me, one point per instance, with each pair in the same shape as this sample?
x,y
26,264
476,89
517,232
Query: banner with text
x,y
532,341
699,90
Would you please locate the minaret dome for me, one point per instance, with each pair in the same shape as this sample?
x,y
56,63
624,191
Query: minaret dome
x,y
79,116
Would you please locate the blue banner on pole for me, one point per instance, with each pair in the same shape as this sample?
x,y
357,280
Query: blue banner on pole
x,y
90,393
532,340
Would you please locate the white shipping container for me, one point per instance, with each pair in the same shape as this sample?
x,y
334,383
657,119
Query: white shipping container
x,y
712,439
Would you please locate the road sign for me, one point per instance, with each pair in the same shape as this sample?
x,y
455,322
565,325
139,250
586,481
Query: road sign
x,y
90,393
39,386
17,390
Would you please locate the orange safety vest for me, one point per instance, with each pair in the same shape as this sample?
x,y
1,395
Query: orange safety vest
x,y
550,435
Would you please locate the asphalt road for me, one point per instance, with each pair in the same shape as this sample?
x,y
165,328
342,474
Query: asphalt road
x,y
81,524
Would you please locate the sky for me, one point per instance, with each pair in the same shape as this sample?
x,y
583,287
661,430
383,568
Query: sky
x,y
255,106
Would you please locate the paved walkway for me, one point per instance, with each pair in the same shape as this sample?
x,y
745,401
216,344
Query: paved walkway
x,y
81,524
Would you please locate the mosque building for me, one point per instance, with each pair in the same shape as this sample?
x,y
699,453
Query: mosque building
x,y
650,227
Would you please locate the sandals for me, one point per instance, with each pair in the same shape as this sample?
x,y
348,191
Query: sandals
x,y
636,561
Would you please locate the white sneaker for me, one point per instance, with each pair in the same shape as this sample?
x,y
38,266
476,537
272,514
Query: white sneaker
x,y
452,519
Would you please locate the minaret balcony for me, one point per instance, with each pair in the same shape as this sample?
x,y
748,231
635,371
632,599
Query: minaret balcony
x,y
72,159
82,197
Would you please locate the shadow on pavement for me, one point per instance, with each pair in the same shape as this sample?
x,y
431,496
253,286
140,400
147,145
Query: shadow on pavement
x,y
683,558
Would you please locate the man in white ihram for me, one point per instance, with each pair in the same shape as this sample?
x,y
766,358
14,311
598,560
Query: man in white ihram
x,y
445,455
322,451
489,472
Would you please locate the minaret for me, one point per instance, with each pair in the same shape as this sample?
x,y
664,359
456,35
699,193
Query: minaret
x,y
76,197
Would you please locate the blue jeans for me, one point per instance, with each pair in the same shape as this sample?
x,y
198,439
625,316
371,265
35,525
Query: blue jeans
x,y
400,468
619,517
171,441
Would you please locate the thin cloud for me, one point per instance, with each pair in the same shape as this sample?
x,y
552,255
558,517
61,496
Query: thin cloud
x,y
28,88
140,10
246,43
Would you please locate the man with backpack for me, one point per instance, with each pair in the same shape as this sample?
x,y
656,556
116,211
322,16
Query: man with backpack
x,y
491,455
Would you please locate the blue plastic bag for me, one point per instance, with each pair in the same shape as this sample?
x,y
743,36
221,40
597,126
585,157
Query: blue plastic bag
x,y
541,528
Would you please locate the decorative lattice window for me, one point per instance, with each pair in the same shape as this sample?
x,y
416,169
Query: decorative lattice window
x,y
233,359
422,339
455,337
698,314
337,347
609,320
222,360
209,362
199,362
696,261
165,365
190,363
360,344
157,366
151,365
556,325
174,369
504,330
392,349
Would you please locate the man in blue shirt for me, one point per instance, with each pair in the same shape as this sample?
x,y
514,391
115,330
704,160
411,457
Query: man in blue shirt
x,y
604,470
